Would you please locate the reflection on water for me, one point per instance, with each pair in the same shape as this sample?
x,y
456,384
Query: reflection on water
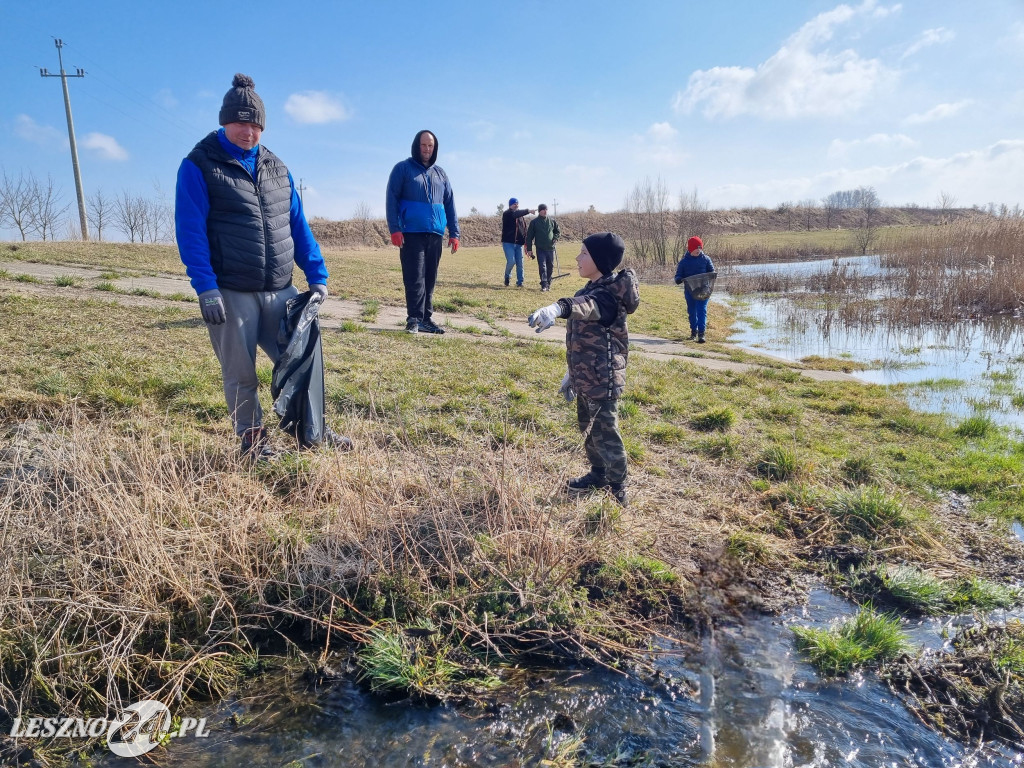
x,y
1018,529
955,368
754,704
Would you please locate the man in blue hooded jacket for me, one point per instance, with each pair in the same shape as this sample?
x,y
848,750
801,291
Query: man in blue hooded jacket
x,y
419,206
241,230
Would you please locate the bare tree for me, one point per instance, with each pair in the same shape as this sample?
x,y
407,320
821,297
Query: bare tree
x,y
363,215
16,204
693,220
130,214
946,202
830,206
868,202
808,207
647,216
99,208
47,208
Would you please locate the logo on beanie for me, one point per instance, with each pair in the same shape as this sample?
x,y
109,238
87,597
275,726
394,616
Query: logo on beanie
x,y
244,116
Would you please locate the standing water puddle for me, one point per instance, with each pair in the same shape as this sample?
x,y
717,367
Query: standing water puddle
x,y
954,368
1018,529
752,703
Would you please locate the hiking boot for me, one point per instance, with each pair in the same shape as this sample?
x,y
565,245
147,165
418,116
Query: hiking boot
x,y
593,480
618,491
519,285
506,281
693,335
429,326
335,441
256,447
700,338
412,326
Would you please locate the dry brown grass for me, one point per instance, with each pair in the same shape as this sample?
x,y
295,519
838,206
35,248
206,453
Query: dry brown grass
x,y
142,565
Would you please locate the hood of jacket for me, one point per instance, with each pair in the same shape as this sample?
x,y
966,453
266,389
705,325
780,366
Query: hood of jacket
x,y
415,151
626,288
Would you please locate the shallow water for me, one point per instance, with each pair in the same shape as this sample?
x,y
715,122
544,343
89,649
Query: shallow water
x,y
752,703
1018,529
955,368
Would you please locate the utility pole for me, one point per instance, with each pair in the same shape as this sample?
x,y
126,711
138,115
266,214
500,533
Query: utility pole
x,y
554,206
301,190
71,135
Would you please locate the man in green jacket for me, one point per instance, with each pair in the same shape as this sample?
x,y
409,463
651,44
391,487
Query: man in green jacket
x,y
544,231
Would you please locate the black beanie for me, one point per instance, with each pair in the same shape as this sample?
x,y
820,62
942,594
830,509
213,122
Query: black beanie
x,y
242,104
606,249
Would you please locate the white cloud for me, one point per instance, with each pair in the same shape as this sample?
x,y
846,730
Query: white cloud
x,y
315,107
927,38
662,132
839,148
979,175
802,78
44,135
938,112
105,146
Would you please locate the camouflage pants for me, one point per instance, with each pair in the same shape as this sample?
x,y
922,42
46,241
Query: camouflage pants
x,y
599,423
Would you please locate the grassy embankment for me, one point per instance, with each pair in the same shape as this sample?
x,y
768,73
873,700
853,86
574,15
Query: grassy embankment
x,y
145,561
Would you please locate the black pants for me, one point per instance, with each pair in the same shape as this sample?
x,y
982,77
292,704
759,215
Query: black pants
x,y
420,256
545,263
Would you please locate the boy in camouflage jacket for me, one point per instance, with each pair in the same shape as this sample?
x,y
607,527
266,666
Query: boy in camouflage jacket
x,y
597,347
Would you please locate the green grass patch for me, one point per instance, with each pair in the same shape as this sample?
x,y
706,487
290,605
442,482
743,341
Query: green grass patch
x,y
777,463
976,426
717,419
867,511
66,281
867,638
370,310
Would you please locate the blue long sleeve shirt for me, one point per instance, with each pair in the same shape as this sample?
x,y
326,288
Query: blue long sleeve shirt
x,y
192,206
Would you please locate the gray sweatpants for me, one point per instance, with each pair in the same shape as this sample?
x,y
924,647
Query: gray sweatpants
x,y
252,318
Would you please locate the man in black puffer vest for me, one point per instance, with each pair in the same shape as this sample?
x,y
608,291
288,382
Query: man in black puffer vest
x,y
241,229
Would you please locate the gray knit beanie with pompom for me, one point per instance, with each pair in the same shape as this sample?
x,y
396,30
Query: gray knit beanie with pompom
x,y
242,104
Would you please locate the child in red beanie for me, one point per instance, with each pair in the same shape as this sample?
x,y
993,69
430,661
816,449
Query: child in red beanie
x,y
695,262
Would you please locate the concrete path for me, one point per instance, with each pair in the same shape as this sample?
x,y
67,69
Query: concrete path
x,y
140,291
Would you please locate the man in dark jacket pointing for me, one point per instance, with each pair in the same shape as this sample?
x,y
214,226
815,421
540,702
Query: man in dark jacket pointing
x,y
241,230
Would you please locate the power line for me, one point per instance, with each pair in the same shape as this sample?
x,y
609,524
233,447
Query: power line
x,y
71,135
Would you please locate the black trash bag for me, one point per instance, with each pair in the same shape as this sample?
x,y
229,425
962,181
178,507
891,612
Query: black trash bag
x,y
701,285
298,382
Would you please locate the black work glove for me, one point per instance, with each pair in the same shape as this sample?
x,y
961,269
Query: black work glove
x,y
212,305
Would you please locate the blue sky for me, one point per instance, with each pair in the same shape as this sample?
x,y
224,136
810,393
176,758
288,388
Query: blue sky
x,y
751,103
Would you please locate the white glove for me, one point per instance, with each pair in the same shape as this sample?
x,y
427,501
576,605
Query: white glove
x,y
319,290
545,317
566,390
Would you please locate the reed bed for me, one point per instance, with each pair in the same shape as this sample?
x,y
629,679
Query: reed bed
x,y
970,268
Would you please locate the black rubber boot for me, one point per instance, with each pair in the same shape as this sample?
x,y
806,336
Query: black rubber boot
x,y
700,338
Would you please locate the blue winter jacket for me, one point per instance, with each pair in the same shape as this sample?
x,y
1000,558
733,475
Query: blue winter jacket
x,y
419,197
192,206
693,264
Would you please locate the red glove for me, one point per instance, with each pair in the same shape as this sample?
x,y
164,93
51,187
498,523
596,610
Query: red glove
x,y
397,238
454,243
